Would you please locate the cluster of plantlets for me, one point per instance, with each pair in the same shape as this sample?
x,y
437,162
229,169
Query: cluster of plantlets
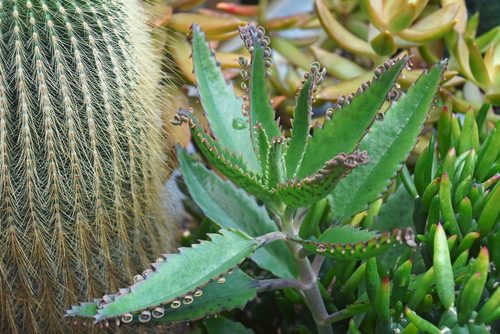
x,y
271,217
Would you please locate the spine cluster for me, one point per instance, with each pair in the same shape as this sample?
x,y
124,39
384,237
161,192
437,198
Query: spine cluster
x,y
80,146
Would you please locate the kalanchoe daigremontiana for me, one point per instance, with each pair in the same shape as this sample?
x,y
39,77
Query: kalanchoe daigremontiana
x,y
270,181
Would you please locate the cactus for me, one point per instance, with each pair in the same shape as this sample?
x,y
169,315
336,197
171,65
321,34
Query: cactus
x,y
80,145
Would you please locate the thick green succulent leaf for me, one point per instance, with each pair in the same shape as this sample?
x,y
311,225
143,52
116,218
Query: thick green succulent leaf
x,y
317,186
214,298
222,107
302,120
221,325
261,110
226,162
85,310
396,212
181,275
348,243
389,142
230,207
351,118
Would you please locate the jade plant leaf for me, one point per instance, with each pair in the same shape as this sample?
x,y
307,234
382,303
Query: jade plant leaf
x,y
230,207
225,161
389,143
348,243
181,275
261,111
351,118
222,107
317,186
235,292
302,120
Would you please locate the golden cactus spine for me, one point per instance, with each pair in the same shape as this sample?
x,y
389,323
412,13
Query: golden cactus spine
x,y
80,151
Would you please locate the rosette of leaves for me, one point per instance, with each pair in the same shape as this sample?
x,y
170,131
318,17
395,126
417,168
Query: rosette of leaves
x,y
265,184
393,24
477,58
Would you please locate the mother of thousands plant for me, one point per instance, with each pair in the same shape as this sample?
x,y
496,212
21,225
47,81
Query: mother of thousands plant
x,y
270,182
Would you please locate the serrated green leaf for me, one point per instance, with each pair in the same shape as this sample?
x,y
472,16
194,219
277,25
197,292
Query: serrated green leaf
x,y
276,168
396,212
348,243
317,186
222,107
348,125
226,162
181,274
233,208
221,325
300,125
236,291
389,142
261,110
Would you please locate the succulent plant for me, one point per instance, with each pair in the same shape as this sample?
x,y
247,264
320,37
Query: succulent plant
x,y
477,58
368,136
80,150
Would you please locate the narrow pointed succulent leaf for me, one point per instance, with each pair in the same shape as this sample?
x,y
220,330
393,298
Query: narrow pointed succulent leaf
x,y
490,212
182,274
382,300
230,207
214,298
469,139
351,118
489,311
372,279
339,34
422,324
421,288
222,107
450,221
424,167
445,284
302,120
347,243
317,186
489,153
389,143
226,162
444,131
261,110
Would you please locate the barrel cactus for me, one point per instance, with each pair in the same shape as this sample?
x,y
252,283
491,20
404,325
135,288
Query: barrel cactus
x,y
80,150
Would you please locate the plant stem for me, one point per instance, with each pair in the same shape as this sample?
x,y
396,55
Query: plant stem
x,y
310,291
278,283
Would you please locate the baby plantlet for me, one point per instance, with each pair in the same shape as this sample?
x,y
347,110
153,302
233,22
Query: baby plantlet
x,y
264,191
